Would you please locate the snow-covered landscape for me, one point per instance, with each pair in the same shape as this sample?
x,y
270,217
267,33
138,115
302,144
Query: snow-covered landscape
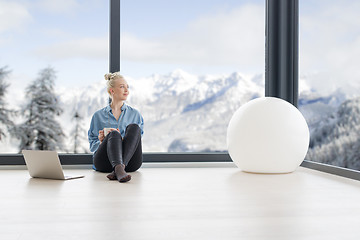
x,y
186,113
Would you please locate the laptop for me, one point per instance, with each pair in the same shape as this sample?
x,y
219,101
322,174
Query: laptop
x,y
45,164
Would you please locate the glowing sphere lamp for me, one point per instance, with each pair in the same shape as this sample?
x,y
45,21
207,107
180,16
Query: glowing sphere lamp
x,y
268,135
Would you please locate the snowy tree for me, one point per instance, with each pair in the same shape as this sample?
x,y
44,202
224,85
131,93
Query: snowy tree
x,y
41,130
336,140
5,121
78,133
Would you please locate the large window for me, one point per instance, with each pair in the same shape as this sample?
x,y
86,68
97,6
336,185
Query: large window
x,y
190,65
330,80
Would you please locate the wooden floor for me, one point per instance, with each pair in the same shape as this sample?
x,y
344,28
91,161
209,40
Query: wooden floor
x,y
180,202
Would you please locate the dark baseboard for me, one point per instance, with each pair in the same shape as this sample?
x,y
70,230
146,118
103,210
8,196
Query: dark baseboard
x,y
81,159
343,172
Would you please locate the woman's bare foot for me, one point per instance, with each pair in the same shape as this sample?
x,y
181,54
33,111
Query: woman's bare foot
x,y
120,173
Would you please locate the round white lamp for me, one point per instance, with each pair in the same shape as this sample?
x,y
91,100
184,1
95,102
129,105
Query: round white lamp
x,y
268,135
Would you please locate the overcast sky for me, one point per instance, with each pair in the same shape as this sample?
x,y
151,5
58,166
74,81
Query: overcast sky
x,y
158,36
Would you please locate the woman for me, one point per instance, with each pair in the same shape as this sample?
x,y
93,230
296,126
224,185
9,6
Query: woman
x,y
120,150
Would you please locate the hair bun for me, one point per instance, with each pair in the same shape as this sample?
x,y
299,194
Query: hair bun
x,y
108,76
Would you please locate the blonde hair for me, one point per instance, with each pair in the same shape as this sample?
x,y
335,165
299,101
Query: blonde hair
x,y
110,80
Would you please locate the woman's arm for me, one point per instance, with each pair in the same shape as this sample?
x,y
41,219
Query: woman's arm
x,y
93,136
141,125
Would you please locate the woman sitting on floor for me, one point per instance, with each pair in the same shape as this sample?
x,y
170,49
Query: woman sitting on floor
x,y
120,150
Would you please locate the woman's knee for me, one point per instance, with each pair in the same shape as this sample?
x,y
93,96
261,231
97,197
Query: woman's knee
x,y
133,128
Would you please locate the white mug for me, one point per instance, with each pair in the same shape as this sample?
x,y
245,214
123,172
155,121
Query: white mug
x,y
107,130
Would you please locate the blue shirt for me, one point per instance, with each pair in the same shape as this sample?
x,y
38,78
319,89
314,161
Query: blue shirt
x,y
104,118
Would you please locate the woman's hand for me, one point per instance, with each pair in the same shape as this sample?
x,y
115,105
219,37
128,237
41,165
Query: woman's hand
x,y
101,135
113,129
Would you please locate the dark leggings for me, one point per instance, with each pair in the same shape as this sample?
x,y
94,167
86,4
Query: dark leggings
x,y
114,150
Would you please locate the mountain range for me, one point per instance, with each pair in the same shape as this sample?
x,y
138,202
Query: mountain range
x,y
185,112
182,112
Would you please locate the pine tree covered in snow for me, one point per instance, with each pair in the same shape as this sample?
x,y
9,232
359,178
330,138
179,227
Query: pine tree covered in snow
x,y
336,140
5,121
78,134
41,130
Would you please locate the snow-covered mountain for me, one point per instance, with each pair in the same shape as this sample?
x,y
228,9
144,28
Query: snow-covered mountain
x,y
315,107
182,112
